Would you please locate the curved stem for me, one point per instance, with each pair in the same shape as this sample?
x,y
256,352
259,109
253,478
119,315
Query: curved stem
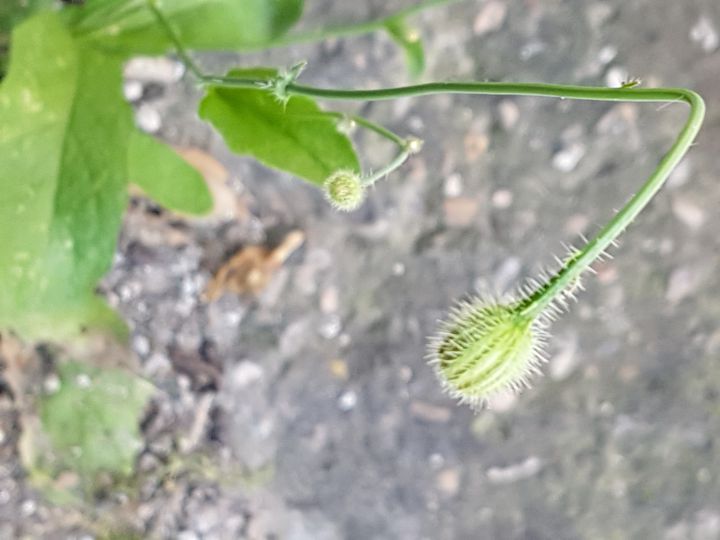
x,y
407,146
553,288
372,126
544,296
390,167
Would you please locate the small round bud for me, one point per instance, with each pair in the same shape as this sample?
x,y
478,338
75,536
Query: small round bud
x,y
483,349
345,190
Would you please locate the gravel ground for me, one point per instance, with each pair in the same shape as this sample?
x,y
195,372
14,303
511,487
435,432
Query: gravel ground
x,y
309,413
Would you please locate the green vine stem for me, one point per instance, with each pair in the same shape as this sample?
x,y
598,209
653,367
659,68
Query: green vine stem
x,y
486,346
410,146
577,264
372,126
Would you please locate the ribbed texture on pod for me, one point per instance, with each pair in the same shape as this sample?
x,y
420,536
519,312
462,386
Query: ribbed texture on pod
x,y
486,348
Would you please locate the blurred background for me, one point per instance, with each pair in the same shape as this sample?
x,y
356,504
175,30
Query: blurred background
x,y
307,412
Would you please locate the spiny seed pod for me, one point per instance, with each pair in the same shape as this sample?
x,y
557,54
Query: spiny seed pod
x,y
345,190
485,348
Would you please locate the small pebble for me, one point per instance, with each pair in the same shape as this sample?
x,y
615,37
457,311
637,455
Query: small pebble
x,y
475,145
460,211
520,471
132,90
339,369
599,13
607,54
157,365
684,281
246,373
705,34
329,300
565,360
507,273
482,423
688,213
448,482
509,114
618,119
502,199
344,339
429,412
567,159
436,460
330,327
141,345
576,224
51,384
490,17
681,174
453,186
148,118
28,507
531,49
606,272
502,401
83,381
347,401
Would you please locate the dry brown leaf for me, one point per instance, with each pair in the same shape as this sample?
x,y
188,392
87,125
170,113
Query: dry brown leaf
x,y
250,269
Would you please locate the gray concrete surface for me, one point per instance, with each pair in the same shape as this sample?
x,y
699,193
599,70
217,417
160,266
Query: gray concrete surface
x,y
312,407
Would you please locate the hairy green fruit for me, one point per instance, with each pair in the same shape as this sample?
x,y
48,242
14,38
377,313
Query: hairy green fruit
x,y
345,190
485,348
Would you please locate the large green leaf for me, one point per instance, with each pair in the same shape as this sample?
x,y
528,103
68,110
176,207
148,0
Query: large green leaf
x,y
129,27
165,177
297,136
63,157
409,39
92,421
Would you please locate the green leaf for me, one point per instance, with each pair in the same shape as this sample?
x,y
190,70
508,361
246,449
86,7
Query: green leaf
x,y
92,420
129,27
165,177
63,181
409,39
12,13
297,137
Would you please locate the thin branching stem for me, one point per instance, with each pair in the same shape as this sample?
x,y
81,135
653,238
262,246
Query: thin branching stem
x,y
554,287
545,294
370,125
